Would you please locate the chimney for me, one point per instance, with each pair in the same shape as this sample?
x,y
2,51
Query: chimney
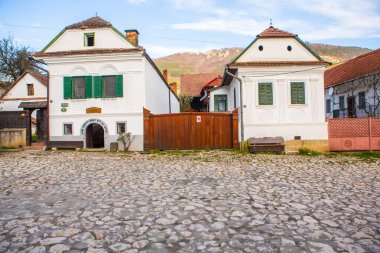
x,y
165,74
132,36
173,86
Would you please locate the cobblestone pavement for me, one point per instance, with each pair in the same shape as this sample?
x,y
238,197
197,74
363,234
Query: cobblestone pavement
x,y
202,202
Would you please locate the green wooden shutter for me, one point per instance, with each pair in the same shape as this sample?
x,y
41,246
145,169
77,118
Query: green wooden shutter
x,y
119,85
67,87
88,86
97,87
265,94
297,93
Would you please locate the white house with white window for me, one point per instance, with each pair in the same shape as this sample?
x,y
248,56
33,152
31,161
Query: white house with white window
x,y
29,87
282,88
100,81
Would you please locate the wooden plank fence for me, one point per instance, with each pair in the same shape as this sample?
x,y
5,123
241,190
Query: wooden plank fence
x,y
190,130
17,119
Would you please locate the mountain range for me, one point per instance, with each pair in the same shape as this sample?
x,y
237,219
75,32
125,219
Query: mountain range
x,y
215,60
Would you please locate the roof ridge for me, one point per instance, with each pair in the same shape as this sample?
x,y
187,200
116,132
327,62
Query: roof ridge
x,y
93,22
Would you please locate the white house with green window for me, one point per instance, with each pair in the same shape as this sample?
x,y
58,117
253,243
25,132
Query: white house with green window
x,y
282,87
100,80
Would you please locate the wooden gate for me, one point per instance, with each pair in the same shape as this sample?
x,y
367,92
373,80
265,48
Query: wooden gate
x,y
17,119
190,130
354,134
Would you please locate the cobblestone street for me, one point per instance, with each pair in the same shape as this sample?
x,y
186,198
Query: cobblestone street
x,y
216,201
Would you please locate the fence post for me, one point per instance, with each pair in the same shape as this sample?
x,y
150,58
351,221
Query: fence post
x,y
235,129
147,144
370,133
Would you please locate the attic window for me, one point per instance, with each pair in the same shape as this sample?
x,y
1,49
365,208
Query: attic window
x,y
261,48
30,89
89,39
289,48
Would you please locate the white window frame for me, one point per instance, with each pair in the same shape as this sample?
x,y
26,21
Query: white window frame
x,y
72,128
119,122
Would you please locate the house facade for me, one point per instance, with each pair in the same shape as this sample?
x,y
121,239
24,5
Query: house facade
x,y
352,89
281,83
100,82
29,93
29,87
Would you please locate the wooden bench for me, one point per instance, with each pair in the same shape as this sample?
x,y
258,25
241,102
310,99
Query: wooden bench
x,y
264,144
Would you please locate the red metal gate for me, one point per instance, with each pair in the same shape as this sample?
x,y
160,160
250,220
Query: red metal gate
x,y
354,134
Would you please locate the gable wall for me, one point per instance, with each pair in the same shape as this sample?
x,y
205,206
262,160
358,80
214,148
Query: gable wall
x,y
74,40
275,49
20,91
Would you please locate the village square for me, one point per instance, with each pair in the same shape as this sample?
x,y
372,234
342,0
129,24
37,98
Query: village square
x,y
190,126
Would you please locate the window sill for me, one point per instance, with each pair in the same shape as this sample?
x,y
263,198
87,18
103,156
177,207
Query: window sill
x,y
110,98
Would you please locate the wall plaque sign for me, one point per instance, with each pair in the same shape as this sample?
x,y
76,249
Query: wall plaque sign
x,y
64,105
93,110
199,119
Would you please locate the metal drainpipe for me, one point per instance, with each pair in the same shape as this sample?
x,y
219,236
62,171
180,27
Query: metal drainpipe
x,y
170,103
31,61
241,106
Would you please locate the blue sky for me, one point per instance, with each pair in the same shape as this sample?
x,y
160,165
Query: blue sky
x,y
170,26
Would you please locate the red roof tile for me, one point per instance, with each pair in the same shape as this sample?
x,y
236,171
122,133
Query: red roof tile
x,y
192,84
275,32
277,63
94,22
216,82
362,65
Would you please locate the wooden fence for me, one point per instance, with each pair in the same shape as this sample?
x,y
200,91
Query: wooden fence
x,y
190,130
354,134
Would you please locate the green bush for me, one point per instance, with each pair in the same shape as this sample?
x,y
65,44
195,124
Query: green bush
x,y
6,147
245,146
306,151
34,138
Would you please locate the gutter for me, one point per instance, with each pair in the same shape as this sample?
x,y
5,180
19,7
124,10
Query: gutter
x,y
241,105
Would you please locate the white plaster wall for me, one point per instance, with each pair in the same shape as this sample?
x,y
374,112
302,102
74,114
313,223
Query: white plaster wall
x,y
128,108
157,93
175,105
20,91
74,40
282,118
275,49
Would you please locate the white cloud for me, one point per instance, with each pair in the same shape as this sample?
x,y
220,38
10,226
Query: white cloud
x,y
330,19
136,2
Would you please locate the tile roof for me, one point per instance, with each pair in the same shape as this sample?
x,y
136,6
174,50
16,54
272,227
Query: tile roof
x,y
94,22
216,82
40,77
275,32
192,84
33,105
277,63
89,51
362,65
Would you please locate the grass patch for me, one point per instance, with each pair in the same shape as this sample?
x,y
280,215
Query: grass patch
x,y
309,152
7,147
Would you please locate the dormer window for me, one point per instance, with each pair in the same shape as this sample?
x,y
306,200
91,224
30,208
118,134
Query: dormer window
x,y
89,39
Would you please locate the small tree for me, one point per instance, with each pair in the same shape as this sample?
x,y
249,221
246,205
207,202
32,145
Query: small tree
x,y
126,139
13,60
185,102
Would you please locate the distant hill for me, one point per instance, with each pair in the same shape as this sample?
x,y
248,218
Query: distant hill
x,y
215,60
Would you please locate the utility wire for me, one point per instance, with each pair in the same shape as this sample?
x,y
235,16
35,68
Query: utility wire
x,y
149,36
